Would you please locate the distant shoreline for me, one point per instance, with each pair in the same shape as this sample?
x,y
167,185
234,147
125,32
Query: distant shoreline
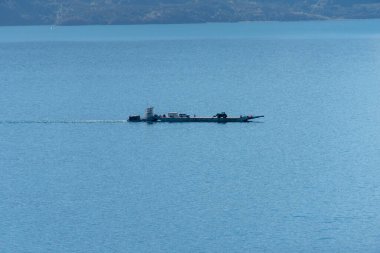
x,y
138,12
194,23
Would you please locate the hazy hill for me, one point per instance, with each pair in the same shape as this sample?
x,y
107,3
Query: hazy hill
x,y
80,12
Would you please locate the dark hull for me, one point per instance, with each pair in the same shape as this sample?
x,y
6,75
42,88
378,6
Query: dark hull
x,y
201,119
205,120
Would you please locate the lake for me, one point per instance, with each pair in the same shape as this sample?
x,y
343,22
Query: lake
x,y
303,179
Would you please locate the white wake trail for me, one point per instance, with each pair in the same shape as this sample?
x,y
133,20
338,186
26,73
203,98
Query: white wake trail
x,y
95,121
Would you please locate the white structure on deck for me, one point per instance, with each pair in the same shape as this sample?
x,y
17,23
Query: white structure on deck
x,y
173,114
149,113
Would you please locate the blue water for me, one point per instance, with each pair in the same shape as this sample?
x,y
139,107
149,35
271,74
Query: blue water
x,y
303,179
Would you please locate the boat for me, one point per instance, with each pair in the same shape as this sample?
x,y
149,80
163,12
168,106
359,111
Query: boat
x,y
175,117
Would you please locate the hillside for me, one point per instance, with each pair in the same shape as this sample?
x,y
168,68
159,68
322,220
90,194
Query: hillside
x,y
85,12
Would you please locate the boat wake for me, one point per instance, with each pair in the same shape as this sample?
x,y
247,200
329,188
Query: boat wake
x,y
63,122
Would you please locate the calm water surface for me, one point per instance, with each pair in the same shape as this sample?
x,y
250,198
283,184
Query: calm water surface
x,y
304,179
